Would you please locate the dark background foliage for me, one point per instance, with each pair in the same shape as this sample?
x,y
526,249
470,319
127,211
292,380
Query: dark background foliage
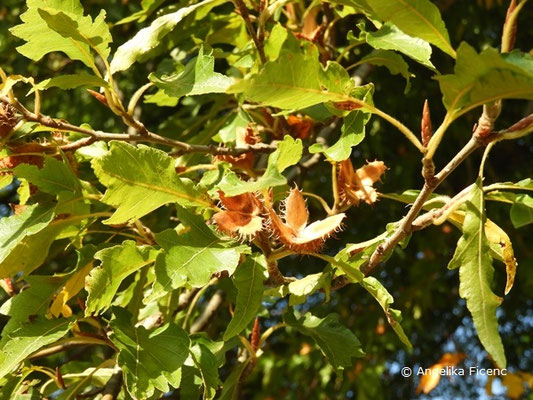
x,y
435,318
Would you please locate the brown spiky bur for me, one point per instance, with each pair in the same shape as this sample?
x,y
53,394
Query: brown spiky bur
x,y
243,137
241,217
355,186
426,128
8,119
293,230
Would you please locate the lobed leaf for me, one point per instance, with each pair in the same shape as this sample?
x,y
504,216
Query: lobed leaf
x,y
61,27
385,299
192,257
149,359
207,365
28,338
291,82
392,61
55,176
117,263
198,77
485,77
74,283
34,300
352,132
141,179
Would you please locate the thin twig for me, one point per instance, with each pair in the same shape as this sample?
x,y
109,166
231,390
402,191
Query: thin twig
x,y
65,344
243,10
405,227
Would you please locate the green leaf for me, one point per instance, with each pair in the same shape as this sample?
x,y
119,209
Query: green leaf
x,y
198,77
389,37
275,41
522,210
248,279
232,185
55,176
385,299
32,250
230,387
207,365
360,6
288,153
309,284
485,77
417,18
291,82
34,300
42,38
14,229
191,382
73,81
352,133
228,133
297,81
150,359
141,179
118,262
473,258
82,30
336,341
28,338
192,257
392,61
350,266
148,38
5,180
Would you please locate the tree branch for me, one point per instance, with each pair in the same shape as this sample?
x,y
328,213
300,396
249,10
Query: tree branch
x,y
482,136
239,4
208,312
130,137
405,227
113,386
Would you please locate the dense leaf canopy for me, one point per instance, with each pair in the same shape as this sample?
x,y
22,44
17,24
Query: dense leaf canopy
x,y
265,199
